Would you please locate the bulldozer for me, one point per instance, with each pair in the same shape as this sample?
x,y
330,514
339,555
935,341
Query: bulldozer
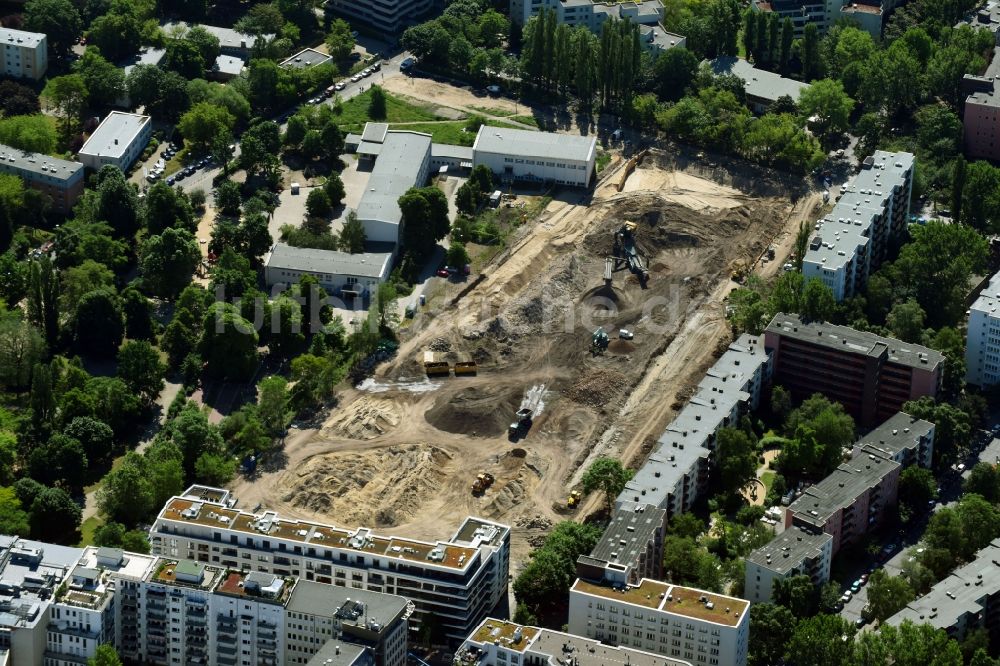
x,y
599,342
483,481
573,500
740,272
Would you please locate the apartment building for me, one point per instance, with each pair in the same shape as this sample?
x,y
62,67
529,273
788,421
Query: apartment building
x,y
982,338
631,547
61,180
389,17
870,15
871,376
23,55
902,438
679,622
849,503
677,470
798,551
457,582
853,239
339,273
967,600
119,141
502,643
981,117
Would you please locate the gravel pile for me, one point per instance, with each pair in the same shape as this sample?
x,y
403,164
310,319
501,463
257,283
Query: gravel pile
x,y
598,389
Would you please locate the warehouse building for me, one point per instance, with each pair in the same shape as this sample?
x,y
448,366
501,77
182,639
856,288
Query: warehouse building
x,y
23,55
541,157
119,141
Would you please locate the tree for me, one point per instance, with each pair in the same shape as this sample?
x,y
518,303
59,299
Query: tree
x,y
228,343
214,469
736,459
167,207
139,366
95,436
105,82
118,33
771,626
818,303
980,204
797,594
983,480
334,188
21,347
99,324
608,476
318,203
259,149
117,202
55,517
138,314
546,580
339,40
425,220
67,94
206,44
203,122
61,458
906,321
228,198
457,255
811,63
105,655
917,487
272,404
33,133
80,280
787,38
377,104
820,640
167,261
57,19
13,519
887,595
826,101
958,175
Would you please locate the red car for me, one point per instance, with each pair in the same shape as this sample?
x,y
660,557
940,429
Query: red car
x,y
442,273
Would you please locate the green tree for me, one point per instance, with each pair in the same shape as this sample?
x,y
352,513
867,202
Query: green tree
x,y
139,366
820,640
80,280
906,321
606,475
377,104
167,261
17,99
457,255
826,101
105,82
99,324
771,627
272,404
339,40
811,62
797,594
887,595
352,235
21,347
166,207
33,133
58,20
983,480
55,517
818,303
67,94
917,487
228,343
203,122
96,437
318,203
61,458
425,220
735,459
13,519
105,655
138,314
546,579
980,205
228,198
673,71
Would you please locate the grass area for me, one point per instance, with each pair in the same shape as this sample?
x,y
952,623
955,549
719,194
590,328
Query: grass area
x,y
355,110
603,157
767,478
490,111
450,132
87,529
526,120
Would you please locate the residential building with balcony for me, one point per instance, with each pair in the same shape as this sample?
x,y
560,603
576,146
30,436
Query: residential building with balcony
x,y
677,470
631,547
61,180
849,503
854,238
870,375
502,643
903,438
797,551
388,17
23,55
868,14
673,621
982,337
457,582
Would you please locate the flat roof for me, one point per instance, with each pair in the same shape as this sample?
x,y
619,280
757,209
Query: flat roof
x,y
21,37
337,652
989,298
675,599
335,601
306,58
849,340
790,549
630,530
759,83
228,64
526,143
452,152
115,134
15,159
334,262
228,38
396,170
841,488
897,433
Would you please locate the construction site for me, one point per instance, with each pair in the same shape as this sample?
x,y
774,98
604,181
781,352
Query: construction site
x,y
581,339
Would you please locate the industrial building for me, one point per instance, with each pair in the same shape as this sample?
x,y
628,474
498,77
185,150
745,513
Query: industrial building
x,y
61,180
797,551
763,88
543,157
402,160
967,600
677,470
669,620
503,643
458,582
23,55
389,17
119,141
631,547
854,238
982,338
871,376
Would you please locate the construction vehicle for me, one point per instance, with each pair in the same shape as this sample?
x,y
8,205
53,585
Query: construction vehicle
x,y
483,481
627,254
465,365
740,272
599,342
574,499
435,365
521,426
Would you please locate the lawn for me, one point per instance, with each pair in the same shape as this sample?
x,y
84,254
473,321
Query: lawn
x,y
526,120
767,478
87,529
355,110
490,111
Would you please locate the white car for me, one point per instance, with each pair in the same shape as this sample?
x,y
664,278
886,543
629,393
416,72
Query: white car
x,y
338,86
493,90
626,334
356,78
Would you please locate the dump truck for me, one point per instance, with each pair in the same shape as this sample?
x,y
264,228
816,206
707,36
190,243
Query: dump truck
x,y
465,365
483,481
574,499
435,365
520,427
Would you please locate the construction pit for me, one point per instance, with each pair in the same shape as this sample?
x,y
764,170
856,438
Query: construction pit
x,y
400,451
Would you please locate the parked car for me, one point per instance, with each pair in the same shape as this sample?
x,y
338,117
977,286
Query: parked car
x,y
855,586
493,90
441,272
626,334
863,579
171,180
339,85
356,78
377,65
860,622
846,596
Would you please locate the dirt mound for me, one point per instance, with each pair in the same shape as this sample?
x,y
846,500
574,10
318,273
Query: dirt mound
x,y
598,388
475,411
620,346
365,418
381,487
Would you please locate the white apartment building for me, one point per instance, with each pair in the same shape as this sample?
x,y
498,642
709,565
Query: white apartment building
x,y
852,240
794,552
696,626
23,55
458,581
589,13
390,17
677,470
119,140
516,154
502,643
982,341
